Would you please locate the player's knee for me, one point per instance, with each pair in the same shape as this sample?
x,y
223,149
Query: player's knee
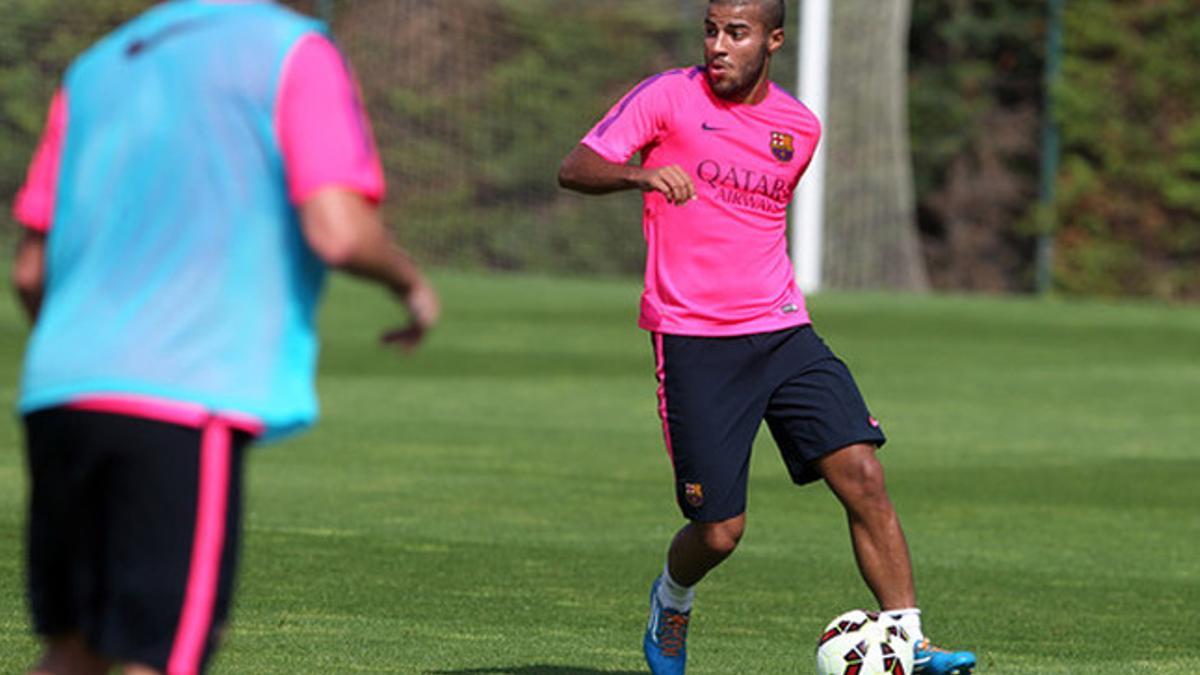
x,y
723,537
860,482
870,479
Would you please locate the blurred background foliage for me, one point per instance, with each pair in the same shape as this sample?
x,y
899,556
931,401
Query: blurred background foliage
x,y
475,102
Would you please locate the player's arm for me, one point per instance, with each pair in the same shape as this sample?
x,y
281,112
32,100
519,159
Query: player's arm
x,y
336,181
584,170
346,231
34,209
29,271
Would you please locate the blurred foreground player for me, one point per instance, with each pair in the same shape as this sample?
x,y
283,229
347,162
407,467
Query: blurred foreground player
x,y
201,168
722,151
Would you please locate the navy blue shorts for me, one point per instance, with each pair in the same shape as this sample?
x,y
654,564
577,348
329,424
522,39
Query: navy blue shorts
x,y
133,533
714,393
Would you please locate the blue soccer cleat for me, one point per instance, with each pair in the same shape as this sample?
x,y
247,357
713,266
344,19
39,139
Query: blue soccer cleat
x,y
930,660
665,643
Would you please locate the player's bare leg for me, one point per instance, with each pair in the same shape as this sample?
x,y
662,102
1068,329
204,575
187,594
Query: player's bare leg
x,y
69,655
699,547
856,477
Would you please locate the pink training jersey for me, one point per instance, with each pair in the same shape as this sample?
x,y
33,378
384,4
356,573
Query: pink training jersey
x,y
717,265
319,121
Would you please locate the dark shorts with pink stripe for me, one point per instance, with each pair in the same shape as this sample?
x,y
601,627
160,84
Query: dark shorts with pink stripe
x,y
133,533
715,392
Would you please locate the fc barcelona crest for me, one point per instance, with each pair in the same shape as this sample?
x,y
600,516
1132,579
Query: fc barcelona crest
x,y
782,146
694,494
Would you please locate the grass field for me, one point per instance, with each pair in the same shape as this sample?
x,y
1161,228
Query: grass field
x,y
500,502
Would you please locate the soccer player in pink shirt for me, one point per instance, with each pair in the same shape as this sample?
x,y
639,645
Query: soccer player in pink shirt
x,y
722,150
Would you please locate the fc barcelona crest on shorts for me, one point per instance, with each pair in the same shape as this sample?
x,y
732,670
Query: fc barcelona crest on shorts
x,y
694,494
782,146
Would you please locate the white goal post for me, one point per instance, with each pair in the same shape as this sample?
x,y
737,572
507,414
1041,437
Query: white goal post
x,y
813,85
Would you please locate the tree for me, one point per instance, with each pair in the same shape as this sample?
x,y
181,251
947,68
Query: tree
x,y
38,39
976,97
872,236
1130,114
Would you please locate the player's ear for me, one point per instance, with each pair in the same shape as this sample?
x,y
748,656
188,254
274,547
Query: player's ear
x,y
775,40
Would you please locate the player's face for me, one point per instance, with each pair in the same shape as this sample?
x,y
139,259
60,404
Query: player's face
x,y
737,49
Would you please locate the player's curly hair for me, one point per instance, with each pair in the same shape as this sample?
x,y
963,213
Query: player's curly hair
x,y
773,11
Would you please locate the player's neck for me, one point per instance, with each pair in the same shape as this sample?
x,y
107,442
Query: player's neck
x,y
759,93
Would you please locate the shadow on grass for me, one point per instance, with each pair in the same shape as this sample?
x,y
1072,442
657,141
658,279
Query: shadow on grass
x,y
534,670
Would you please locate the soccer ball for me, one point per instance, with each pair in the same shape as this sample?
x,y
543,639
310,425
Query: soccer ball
x,y
864,643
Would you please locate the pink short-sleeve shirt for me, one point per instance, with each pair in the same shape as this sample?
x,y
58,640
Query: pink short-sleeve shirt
x,y
717,265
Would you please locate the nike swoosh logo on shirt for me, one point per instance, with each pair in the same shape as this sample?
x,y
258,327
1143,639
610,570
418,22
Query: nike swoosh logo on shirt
x,y
137,47
706,127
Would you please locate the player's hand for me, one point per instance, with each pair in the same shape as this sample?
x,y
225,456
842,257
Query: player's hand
x,y
673,182
424,310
